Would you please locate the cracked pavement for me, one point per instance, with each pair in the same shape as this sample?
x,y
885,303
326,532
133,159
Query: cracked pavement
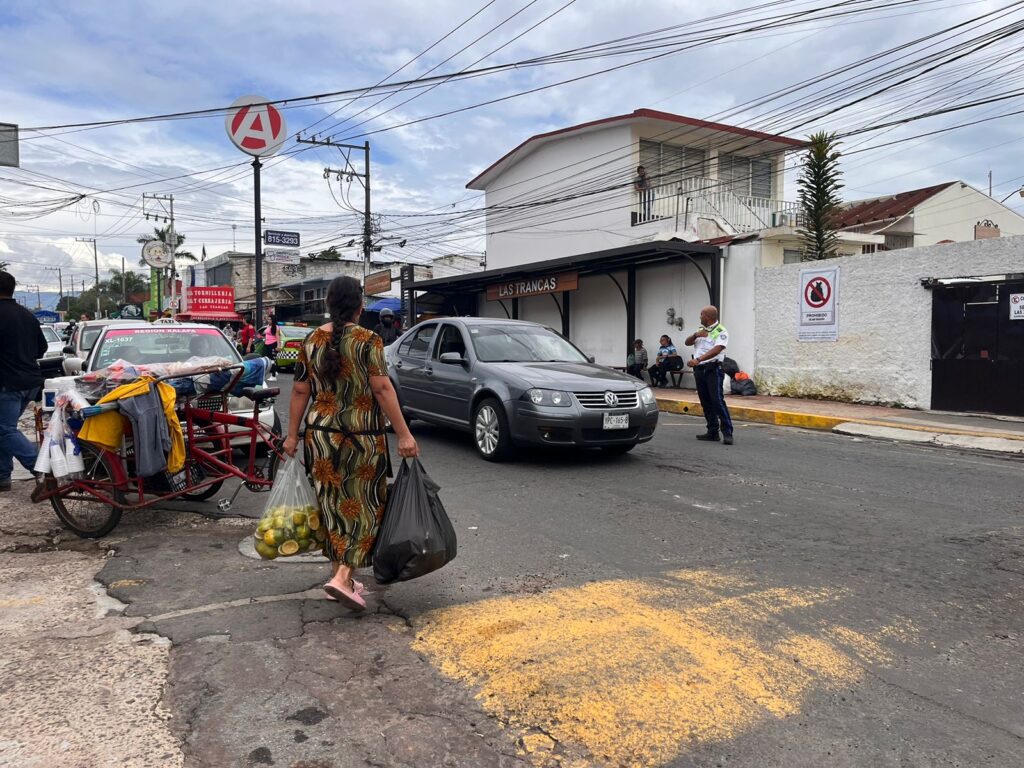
x,y
799,599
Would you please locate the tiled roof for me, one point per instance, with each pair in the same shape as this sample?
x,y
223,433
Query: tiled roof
x,y
887,208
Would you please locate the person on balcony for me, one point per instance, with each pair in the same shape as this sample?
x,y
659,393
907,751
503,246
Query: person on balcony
x,y
645,192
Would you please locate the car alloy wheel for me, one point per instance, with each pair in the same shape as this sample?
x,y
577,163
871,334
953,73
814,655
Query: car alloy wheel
x,y
488,431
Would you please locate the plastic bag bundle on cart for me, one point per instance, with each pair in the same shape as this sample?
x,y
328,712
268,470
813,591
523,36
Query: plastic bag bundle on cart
x,y
60,454
291,522
416,536
254,375
95,384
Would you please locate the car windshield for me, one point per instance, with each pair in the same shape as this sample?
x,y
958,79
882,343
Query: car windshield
x,y
49,334
522,344
167,344
89,336
293,332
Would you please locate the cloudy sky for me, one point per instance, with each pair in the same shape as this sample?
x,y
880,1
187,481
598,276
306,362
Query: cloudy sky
x,y
72,62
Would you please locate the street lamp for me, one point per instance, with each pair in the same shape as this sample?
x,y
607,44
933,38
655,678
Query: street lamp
x,y
1015,192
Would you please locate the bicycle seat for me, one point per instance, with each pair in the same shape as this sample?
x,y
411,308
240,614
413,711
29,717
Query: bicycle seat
x,y
256,395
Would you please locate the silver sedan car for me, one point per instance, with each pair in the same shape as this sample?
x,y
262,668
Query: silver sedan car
x,y
512,383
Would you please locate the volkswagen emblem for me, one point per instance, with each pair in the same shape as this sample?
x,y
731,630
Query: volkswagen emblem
x,y
611,399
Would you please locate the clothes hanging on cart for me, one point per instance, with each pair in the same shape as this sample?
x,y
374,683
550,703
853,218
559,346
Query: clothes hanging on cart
x,y
159,442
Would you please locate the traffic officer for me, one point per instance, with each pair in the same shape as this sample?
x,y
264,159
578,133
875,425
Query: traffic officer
x,y
709,343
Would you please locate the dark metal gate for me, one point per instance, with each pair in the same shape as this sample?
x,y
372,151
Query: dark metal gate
x,y
977,350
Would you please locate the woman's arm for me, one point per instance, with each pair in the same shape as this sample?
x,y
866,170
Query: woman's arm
x,y
385,394
296,410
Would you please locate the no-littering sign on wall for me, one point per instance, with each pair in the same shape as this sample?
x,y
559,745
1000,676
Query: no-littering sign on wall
x,y
819,305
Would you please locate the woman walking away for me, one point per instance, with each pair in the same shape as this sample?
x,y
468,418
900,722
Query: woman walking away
x,y
341,368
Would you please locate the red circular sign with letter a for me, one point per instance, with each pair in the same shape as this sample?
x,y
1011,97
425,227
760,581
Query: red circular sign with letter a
x,y
255,127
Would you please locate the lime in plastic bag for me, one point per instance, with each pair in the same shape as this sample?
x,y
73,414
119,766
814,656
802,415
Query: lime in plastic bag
x,y
291,522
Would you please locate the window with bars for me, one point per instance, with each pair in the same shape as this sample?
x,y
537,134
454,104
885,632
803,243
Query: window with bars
x,y
746,176
668,163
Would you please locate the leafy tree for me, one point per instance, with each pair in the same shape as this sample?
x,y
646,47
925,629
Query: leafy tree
x,y
133,283
820,204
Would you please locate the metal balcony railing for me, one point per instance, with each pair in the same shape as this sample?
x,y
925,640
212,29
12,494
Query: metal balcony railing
x,y
710,197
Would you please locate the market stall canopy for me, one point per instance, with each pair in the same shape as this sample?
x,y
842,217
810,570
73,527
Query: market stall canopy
x,y
394,305
221,317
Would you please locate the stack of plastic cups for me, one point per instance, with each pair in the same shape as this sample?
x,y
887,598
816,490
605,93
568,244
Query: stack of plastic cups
x,y
43,459
73,455
58,462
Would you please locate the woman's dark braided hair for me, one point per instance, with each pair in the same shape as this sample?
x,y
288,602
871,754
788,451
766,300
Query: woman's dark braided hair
x,y
344,298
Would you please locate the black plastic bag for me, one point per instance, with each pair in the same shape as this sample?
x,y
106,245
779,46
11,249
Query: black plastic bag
x,y
743,387
416,536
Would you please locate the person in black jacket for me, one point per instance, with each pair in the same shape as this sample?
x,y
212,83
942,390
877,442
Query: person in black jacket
x,y
386,328
21,345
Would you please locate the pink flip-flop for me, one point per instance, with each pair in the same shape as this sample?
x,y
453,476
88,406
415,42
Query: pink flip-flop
x,y
351,600
359,589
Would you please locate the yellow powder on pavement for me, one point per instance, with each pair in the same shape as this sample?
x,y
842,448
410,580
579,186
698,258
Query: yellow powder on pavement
x,y
634,671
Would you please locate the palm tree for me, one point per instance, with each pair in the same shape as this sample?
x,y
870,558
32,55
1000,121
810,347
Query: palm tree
x,y
163,235
133,283
820,204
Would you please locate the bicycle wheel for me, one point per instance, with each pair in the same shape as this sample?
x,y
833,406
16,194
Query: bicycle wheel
x,y
83,513
264,469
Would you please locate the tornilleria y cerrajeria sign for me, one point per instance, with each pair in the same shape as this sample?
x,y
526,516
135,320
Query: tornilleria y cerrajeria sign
x,y
533,286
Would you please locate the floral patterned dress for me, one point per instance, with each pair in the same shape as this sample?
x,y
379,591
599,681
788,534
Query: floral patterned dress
x,y
345,446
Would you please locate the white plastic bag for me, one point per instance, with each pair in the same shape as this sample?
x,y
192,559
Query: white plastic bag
x,y
291,522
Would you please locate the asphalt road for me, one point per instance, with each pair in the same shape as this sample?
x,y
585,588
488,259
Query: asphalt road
x,y
797,599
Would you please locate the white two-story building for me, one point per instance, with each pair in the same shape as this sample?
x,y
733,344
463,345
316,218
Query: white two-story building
x,y
576,239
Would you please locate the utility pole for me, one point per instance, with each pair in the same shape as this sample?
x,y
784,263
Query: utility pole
x,y
124,293
258,232
96,264
60,284
350,172
165,204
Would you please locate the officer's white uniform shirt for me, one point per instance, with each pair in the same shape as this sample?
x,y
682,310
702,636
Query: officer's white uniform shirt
x,y
717,336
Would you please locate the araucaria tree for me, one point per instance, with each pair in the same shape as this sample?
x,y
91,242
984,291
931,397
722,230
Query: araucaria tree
x,y
820,203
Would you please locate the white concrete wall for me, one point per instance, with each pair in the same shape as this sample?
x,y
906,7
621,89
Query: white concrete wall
x,y
562,229
541,309
738,299
952,214
884,350
599,319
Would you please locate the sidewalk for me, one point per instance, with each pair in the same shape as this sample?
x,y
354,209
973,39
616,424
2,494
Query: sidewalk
x,y
954,430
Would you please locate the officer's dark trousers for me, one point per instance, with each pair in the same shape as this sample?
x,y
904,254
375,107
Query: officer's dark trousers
x,y
710,379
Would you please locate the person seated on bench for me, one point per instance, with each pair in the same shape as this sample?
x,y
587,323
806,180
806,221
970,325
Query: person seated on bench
x,y
636,363
668,359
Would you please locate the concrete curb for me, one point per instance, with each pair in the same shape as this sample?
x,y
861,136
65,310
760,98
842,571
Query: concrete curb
x,y
988,443
759,415
965,438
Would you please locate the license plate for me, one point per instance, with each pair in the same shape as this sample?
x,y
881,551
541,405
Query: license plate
x,y
616,421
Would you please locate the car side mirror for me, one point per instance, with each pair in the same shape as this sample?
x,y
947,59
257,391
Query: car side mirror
x,y
452,358
73,365
591,359
68,350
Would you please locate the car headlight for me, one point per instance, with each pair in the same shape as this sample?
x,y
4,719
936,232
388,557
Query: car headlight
x,y
647,396
549,397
